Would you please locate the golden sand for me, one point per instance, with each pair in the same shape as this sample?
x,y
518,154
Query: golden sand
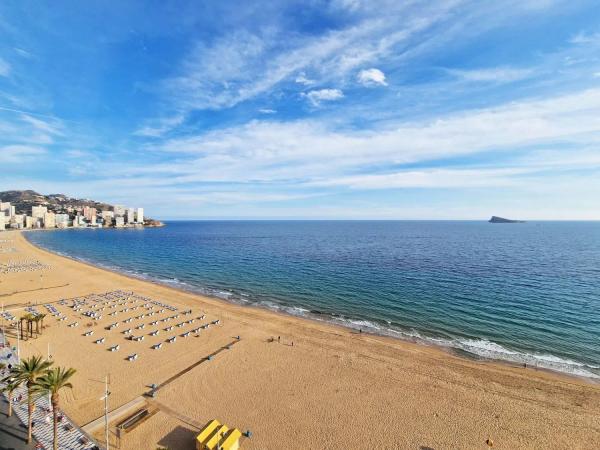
x,y
333,389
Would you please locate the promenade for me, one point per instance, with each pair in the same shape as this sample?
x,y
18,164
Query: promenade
x,y
70,436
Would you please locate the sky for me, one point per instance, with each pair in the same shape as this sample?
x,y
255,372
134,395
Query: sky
x,y
347,109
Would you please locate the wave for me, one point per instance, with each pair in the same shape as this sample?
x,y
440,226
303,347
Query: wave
x,y
480,348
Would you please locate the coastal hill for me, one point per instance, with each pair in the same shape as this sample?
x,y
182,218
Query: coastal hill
x,y
57,203
24,200
496,219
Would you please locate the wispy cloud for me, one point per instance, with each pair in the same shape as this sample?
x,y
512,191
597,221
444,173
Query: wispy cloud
x,y
323,95
4,68
302,79
496,74
159,127
51,127
19,153
371,77
586,38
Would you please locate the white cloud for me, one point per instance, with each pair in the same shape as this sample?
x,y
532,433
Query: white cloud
x,y
161,126
585,38
302,79
321,95
23,53
267,111
496,75
243,65
371,77
45,126
4,68
309,151
430,178
19,153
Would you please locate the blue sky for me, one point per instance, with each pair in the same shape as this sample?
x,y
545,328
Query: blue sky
x,y
310,109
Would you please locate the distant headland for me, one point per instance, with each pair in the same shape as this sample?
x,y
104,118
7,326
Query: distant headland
x,y
29,209
496,219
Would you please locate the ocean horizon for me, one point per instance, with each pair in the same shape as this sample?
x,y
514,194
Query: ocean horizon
x,y
521,293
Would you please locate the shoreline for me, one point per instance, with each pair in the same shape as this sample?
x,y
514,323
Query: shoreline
x,y
322,386
330,320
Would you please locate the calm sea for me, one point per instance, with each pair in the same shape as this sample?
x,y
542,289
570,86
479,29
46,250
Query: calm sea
x,y
528,293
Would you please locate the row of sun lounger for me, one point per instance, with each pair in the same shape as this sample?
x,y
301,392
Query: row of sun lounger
x,y
22,266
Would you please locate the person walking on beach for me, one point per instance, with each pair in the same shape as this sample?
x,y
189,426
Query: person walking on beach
x,y
278,339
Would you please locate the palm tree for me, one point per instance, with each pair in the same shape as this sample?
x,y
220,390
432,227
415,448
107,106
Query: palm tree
x,y
36,319
51,383
10,387
30,320
29,371
41,316
21,320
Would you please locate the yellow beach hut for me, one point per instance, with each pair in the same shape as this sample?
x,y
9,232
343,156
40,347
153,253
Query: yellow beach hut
x,y
215,436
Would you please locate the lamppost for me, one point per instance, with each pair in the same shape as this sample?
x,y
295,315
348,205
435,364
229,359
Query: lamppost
x,y
105,398
18,341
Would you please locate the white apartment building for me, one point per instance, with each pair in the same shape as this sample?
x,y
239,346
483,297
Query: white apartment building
x,y
62,220
119,222
90,213
107,217
17,221
139,215
119,210
49,220
5,208
37,212
130,215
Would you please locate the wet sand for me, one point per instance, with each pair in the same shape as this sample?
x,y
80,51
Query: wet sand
x,y
332,389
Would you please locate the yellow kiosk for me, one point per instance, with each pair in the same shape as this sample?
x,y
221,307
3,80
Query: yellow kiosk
x,y
215,436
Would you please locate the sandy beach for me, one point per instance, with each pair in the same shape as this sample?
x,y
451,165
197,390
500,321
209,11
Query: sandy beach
x,y
317,387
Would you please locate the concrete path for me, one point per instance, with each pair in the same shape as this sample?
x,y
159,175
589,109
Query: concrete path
x,y
13,435
70,436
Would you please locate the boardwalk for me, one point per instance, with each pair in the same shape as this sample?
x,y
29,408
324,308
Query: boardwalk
x,y
70,436
13,435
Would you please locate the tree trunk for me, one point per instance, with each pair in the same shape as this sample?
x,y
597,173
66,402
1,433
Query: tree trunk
x,y
54,400
30,411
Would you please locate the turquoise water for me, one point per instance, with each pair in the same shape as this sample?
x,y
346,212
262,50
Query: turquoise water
x,y
527,293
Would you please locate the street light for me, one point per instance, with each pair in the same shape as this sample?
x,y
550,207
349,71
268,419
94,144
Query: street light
x,y
105,398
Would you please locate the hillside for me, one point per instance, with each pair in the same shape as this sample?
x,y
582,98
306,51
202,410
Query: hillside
x,y
24,200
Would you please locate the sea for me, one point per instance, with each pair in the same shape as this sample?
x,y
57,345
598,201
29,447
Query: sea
x,y
525,293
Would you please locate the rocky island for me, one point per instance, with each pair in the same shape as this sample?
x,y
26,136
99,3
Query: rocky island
x,y
496,219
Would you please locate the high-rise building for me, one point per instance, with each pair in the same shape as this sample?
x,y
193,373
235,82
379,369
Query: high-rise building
x,y
139,215
6,209
130,215
107,217
90,213
16,221
119,210
119,222
62,220
28,221
49,220
2,222
37,212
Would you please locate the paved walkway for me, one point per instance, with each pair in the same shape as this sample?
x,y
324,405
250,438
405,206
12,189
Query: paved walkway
x,y
43,431
13,435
